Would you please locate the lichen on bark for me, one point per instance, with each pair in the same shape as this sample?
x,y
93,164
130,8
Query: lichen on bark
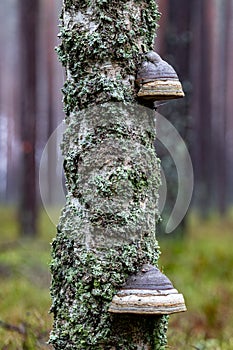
x,y
107,228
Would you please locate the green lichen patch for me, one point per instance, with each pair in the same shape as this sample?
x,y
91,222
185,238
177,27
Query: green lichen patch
x,y
100,46
112,171
107,228
86,284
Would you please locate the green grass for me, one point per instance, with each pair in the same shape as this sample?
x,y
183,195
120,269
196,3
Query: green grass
x,y
200,266
24,284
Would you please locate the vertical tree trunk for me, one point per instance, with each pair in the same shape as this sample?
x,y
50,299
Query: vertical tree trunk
x,y
201,102
28,19
220,75
107,228
174,45
9,106
50,96
229,122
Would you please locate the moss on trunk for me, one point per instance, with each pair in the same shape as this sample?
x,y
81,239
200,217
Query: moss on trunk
x,y
107,228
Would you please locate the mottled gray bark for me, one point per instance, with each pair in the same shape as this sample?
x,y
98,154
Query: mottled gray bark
x,y
107,228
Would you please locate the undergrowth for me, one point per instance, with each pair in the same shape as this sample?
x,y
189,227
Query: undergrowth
x,y
200,266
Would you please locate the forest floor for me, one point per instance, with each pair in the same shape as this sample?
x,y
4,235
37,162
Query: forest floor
x,y
200,265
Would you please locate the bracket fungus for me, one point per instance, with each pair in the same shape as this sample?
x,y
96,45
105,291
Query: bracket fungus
x,y
157,79
149,292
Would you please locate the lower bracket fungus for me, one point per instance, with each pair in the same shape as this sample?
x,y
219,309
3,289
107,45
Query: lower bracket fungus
x,y
149,292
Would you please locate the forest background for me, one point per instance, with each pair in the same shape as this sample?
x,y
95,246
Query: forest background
x,y
196,37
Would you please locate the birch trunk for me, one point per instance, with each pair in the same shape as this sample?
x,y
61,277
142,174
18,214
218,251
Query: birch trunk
x,y
107,228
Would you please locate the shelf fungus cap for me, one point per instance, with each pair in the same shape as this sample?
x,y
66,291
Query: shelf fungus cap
x,y
149,292
157,79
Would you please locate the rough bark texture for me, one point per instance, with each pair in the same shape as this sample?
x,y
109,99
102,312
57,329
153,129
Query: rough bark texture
x,y
107,228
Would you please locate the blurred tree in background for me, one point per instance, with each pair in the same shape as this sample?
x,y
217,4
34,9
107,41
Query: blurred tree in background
x,y
212,79
28,42
173,42
30,107
196,37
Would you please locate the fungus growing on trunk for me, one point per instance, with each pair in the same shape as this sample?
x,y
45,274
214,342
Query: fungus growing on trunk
x,y
149,292
157,79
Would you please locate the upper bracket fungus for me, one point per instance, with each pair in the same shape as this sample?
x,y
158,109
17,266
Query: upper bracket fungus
x,y
157,79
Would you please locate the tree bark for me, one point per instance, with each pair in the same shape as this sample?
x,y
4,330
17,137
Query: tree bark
x,y
107,228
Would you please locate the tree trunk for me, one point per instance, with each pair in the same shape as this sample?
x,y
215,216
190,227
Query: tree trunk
x,y
174,46
28,20
107,228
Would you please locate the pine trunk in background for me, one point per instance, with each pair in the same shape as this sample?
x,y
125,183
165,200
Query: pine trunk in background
x,y
28,21
229,120
51,113
210,74
220,75
174,46
50,77
9,106
107,228
201,104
